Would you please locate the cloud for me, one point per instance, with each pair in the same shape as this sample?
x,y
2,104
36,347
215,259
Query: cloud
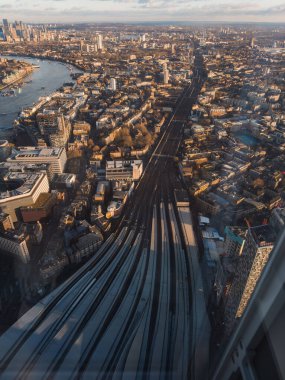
x,y
275,9
144,10
6,6
246,9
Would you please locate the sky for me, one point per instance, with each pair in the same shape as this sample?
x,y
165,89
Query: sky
x,y
55,11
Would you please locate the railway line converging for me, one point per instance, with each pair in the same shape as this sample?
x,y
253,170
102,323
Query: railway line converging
x,y
129,313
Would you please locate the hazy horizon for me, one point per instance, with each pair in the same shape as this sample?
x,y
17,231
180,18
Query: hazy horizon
x,y
136,11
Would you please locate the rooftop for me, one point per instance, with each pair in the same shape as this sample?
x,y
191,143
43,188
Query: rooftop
x,y
122,164
263,235
13,236
23,183
34,152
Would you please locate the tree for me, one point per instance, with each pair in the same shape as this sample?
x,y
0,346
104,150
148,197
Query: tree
x,y
90,143
142,128
96,148
124,138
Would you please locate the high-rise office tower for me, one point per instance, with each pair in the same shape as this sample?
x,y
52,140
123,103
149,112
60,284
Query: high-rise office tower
x,y
6,28
255,349
2,34
165,74
113,84
255,253
100,42
5,23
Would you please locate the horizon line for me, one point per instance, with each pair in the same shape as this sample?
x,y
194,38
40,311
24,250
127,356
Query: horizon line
x,y
155,22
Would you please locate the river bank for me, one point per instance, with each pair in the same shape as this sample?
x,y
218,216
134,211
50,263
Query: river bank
x,y
27,71
50,76
46,58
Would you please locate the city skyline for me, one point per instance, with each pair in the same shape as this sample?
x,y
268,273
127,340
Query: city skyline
x,y
144,11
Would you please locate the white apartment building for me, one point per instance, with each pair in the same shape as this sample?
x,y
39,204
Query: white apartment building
x,y
15,244
30,186
124,170
56,157
113,84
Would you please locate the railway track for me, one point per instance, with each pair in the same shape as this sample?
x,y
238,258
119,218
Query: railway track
x,y
126,313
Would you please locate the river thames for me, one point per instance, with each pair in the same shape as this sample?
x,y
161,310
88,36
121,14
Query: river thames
x,y
44,80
